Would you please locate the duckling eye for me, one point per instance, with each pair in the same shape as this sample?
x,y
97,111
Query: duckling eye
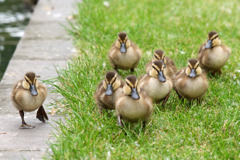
x,y
155,68
27,80
216,37
114,80
156,57
128,85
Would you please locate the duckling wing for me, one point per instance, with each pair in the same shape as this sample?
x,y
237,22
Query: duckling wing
x,y
17,87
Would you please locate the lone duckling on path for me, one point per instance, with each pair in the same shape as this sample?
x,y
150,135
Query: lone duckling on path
x,y
124,54
169,66
156,84
28,95
108,90
213,55
190,82
133,105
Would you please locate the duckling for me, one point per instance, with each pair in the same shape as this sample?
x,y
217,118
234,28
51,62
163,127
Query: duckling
x,y
213,55
28,95
124,54
133,104
190,82
169,66
156,84
108,90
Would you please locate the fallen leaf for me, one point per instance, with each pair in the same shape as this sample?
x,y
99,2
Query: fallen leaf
x,y
53,111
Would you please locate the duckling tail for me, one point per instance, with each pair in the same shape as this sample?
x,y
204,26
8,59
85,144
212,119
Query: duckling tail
x,y
41,114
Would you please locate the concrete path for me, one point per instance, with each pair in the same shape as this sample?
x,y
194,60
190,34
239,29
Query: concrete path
x,y
45,45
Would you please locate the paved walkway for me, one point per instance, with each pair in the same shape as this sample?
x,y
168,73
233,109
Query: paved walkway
x,y
45,45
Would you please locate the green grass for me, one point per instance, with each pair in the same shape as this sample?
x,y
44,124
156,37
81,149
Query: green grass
x,y
179,130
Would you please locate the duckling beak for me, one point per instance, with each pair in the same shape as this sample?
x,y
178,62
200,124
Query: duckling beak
x,y
135,94
193,73
109,90
161,76
209,44
123,48
33,90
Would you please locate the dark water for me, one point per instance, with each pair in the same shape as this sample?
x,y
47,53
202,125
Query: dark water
x,y
13,20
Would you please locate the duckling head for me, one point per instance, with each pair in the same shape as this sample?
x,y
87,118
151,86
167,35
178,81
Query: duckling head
x,y
193,70
111,83
30,83
213,40
123,43
157,71
159,55
131,87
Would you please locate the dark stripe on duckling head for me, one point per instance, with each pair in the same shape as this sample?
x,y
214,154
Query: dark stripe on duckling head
x,y
211,34
132,79
31,76
122,36
160,53
110,75
192,62
159,64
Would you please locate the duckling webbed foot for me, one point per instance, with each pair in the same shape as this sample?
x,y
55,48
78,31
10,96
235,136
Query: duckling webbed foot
x,y
41,114
24,124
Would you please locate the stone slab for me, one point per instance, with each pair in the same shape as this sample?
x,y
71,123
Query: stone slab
x,y
44,49
19,141
21,155
50,30
43,68
6,105
54,10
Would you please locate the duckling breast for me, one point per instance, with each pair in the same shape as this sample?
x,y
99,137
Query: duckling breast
x,y
27,102
133,110
156,89
217,57
194,87
127,60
